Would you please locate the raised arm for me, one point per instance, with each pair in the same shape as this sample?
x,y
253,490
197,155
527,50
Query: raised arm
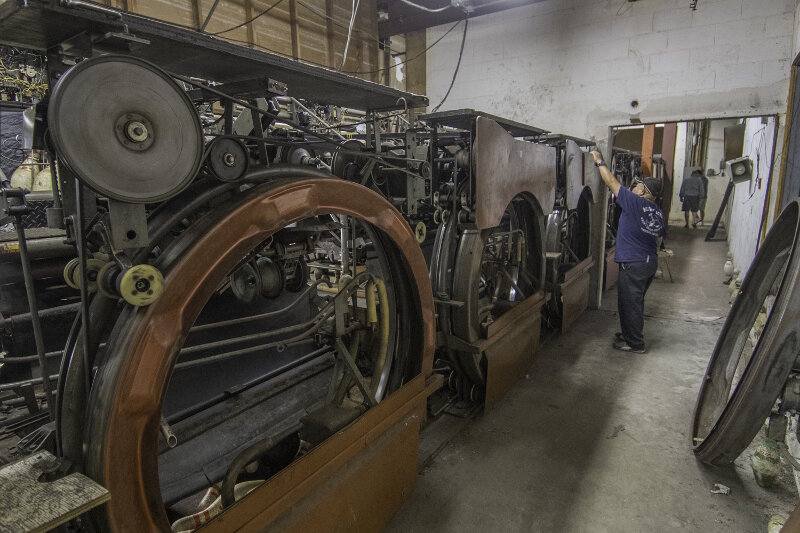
x,y
608,178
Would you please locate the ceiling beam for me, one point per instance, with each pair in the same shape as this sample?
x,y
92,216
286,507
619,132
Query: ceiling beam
x,y
404,18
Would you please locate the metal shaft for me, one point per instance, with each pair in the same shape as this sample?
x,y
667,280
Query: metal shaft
x,y
34,310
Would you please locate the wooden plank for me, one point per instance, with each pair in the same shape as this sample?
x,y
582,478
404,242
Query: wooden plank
x,y
416,69
306,479
31,505
668,143
648,137
196,13
329,33
294,29
511,354
248,13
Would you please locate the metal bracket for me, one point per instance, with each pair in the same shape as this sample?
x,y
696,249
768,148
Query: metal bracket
x,y
360,381
277,87
128,225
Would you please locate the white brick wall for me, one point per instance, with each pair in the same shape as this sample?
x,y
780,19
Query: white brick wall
x,y
574,66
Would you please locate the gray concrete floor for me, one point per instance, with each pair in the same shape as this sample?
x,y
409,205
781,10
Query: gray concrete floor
x,y
593,439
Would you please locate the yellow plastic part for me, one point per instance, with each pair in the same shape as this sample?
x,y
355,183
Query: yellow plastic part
x,y
420,231
72,273
379,357
141,285
68,268
344,279
372,310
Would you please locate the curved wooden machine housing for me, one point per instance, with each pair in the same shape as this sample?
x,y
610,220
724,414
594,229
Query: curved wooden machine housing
x,y
503,170
476,178
362,466
573,229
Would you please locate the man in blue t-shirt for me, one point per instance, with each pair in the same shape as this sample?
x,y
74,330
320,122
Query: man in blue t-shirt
x,y
641,226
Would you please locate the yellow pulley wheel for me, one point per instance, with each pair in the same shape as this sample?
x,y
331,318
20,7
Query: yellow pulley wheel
x,y
420,231
69,268
141,285
72,273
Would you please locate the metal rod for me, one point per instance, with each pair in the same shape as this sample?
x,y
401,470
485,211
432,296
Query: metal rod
x,y
169,436
344,237
27,358
244,320
16,384
80,245
43,313
208,17
202,406
34,311
258,336
295,341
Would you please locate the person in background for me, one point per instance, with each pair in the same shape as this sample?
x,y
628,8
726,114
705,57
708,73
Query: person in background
x,y
691,190
703,198
641,226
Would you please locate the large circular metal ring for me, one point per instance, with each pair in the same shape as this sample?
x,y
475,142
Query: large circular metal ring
x,y
126,398
126,129
728,416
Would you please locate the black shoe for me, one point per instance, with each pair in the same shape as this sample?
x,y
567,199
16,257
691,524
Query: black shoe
x,y
625,347
619,336
694,225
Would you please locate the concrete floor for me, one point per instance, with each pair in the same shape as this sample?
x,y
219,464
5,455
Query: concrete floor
x,y
593,439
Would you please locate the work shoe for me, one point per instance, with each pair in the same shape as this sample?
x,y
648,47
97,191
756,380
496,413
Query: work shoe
x,y
620,344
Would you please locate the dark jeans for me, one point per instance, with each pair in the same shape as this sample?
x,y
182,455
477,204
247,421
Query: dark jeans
x,y
632,284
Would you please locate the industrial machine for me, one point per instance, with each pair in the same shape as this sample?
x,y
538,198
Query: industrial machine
x,y
247,268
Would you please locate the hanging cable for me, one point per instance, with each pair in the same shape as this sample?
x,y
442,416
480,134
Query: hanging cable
x,y
246,22
458,64
428,9
356,3
437,41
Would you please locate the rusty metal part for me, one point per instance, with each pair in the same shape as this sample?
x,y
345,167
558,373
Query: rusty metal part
x,y
574,292
506,168
728,416
125,405
575,163
592,179
582,174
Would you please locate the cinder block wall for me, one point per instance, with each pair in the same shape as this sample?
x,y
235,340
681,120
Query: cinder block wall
x,y
575,66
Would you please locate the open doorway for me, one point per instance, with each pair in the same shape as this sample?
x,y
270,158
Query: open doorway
x,y
734,156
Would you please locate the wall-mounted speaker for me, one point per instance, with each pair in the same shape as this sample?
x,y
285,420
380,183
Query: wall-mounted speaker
x,y
740,169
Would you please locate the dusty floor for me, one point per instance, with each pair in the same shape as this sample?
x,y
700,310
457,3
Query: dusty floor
x,y
597,440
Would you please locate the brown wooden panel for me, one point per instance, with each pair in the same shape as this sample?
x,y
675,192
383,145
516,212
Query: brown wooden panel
x,y
311,30
307,479
648,138
510,353
668,156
